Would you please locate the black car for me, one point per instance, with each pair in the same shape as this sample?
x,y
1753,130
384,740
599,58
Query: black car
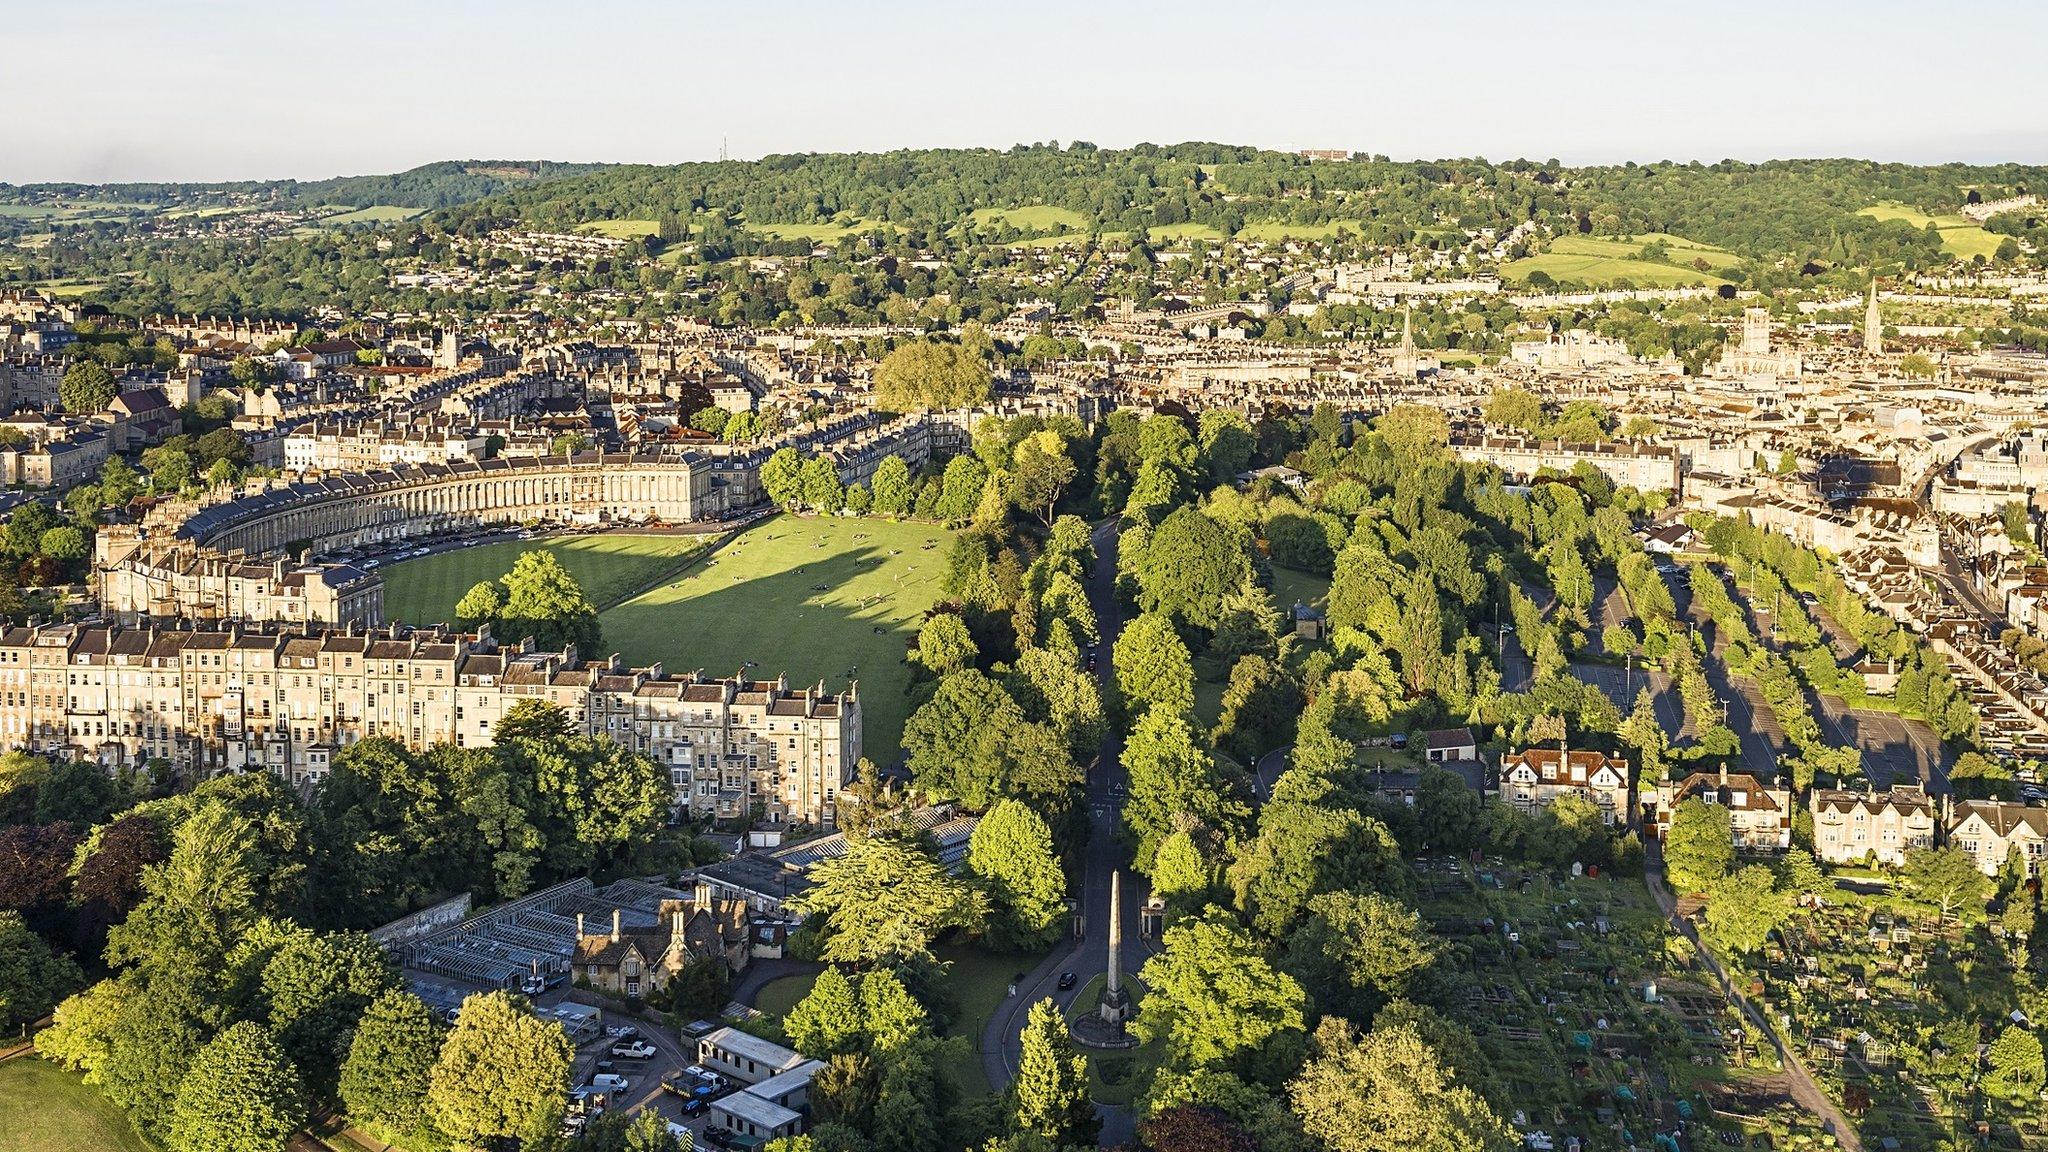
x,y
1067,980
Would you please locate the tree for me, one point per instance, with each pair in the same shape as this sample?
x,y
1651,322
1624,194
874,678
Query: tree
x,y
1042,472
1414,432
923,374
891,485
2016,1062
502,1072
242,1095
119,484
1390,1092
482,604
971,742
943,645
1306,849
171,469
1052,1082
960,487
1947,878
200,901
1011,854
1259,704
1227,443
822,491
1171,779
827,1021
1153,667
885,901
1211,994
1190,567
316,988
1744,908
390,1058
782,478
87,388
1700,847
33,866
64,544
1361,942
544,601
32,978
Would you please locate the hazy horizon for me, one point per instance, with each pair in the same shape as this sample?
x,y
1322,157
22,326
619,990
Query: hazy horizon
x,y
197,92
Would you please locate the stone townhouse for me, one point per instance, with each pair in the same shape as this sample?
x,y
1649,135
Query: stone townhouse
x,y
285,700
1760,816
1537,776
732,744
1991,830
1852,827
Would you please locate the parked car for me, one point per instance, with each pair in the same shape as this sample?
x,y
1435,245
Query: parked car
x,y
533,984
621,1031
609,1082
635,1049
705,1076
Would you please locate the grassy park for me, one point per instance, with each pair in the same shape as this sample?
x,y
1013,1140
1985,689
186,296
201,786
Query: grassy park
x,y
46,1109
610,566
1607,260
818,599
621,229
1041,218
1960,236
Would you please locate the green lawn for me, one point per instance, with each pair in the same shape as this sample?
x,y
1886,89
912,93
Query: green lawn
x,y
425,591
1187,231
1960,236
1291,587
46,1109
622,229
1033,218
1607,259
819,599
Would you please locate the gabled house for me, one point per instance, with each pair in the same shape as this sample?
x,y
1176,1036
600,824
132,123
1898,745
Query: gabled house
x,y
1760,816
1536,776
638,961
1991,830
1850,827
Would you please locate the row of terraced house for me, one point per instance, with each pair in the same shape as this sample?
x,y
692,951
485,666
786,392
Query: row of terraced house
x,y
285,699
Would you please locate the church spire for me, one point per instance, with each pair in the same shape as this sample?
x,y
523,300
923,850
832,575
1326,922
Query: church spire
x,y
1873,324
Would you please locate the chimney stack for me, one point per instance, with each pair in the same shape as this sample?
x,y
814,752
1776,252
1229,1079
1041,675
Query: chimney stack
x,y
579,925
615,925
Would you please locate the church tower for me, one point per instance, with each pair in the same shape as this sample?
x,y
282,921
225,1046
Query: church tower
x,y
1873,324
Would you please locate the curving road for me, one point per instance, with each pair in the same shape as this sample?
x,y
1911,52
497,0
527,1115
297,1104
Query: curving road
x,y
1088,956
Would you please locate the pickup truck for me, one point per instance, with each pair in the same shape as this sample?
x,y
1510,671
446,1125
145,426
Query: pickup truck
x,y
633,1050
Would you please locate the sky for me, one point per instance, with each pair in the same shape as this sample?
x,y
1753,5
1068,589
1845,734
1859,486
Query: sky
x,y
197,90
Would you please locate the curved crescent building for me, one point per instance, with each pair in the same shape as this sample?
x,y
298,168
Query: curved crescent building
x,y
358,509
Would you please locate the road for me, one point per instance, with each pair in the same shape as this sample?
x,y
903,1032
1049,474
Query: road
x,y
1804,1090
1000,1046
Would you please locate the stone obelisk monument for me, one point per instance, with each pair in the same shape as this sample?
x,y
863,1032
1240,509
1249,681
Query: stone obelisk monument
x,y
1115,1006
